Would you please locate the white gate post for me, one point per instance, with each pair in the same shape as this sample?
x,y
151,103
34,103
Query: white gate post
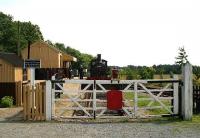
x,y
187,92
135,99
176,95
32,76
48,100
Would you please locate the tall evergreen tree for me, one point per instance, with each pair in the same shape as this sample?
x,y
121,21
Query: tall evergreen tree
x,y
181,59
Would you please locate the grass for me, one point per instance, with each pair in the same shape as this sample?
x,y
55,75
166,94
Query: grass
x,y
178,122
144,103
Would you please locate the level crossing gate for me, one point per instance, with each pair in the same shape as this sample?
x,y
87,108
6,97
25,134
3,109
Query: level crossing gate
x,y
87,98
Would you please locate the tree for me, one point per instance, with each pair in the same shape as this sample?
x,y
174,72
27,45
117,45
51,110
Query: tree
x,y
60,46
49,42
146,72
130,73
29,33
85,60
82,58
181,59
7,33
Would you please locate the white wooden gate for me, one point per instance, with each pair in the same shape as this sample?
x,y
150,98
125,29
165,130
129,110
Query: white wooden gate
x,y
141,98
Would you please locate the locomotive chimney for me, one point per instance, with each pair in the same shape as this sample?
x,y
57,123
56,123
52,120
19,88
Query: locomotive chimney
x,y
99,57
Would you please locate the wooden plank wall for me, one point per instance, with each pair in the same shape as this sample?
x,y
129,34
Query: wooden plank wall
x,y
18,74
34,102
196,99
18,93
7,72
40,50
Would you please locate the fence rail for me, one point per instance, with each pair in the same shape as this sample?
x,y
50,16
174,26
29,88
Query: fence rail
x,y
196,99
90,99
34,102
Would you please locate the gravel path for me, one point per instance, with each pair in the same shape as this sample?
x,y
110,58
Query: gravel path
x,y
104,130
11,126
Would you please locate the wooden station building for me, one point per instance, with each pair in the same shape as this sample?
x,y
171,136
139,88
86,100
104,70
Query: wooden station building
x,y
49,56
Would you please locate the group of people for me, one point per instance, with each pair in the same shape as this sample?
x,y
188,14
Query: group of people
x,y
80,72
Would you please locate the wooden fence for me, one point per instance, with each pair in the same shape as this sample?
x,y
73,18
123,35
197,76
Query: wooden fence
x,y
196,99
34,102
13,89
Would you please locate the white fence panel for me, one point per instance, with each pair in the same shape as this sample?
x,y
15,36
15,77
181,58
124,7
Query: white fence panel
x,y
88,99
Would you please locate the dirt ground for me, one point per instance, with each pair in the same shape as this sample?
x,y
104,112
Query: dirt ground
x,y
63,104
14,113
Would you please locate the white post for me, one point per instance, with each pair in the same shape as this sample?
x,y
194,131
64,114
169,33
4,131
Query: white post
x,y
135,99
175,93
48,100
32,76
187,92
53,100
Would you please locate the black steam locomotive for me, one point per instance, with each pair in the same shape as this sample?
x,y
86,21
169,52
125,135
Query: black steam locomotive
x,y
98,69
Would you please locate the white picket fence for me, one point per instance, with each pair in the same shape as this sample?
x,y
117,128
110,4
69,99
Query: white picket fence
x,y
85,102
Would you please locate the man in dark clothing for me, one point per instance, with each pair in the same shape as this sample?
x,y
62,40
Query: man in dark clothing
x,y
81,72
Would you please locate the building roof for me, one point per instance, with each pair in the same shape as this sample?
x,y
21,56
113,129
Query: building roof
x,y
65,55
12,58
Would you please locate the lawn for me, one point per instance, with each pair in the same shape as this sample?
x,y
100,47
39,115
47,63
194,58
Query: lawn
x,y
144,103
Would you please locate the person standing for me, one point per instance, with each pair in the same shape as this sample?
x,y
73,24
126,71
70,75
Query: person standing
x,y
81,72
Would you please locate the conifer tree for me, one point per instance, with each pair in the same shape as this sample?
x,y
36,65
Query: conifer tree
x,y
181,59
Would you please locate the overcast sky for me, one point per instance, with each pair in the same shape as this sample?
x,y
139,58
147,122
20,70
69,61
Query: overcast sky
x,y
125,32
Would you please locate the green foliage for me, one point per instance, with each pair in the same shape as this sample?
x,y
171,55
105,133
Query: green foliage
x,y
167,69
85,59
196,71
129,73
9,34
146,72
59,46
82,58
30,32
49,42
7,101
181,59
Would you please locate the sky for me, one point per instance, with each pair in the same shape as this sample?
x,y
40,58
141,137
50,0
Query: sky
x,y
125,32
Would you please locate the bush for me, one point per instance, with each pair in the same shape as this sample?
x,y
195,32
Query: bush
x,y
7,101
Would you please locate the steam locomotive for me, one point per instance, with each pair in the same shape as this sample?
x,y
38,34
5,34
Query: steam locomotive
x,y
98,69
